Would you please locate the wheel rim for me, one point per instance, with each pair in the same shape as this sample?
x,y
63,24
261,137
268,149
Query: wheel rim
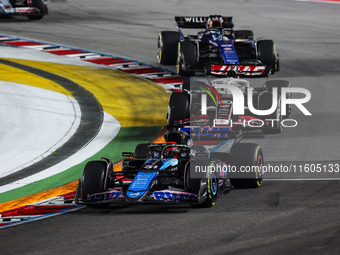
x,y
275,58
179,59
213,184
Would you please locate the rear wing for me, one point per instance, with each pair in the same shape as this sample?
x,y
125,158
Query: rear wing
x,y
200,21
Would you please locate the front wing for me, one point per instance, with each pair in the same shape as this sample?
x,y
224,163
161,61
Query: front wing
x,y
241,70
159,196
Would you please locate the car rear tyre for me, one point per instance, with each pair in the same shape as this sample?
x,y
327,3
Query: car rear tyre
x,y
142,151
179,107
167,47
246,156
39,4
35,17
244,34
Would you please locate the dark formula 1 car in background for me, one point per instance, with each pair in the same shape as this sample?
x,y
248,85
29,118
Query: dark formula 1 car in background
x,y
32,9
185,108
217,49
166,173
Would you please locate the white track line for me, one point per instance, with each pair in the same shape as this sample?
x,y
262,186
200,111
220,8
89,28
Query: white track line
x,y
35,123
106,134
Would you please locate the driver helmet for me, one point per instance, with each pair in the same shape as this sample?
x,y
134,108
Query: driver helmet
x,y
214,24
171,152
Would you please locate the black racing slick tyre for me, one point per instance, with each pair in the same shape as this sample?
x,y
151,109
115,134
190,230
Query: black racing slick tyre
x,y
93,180
39,4
246,163
266,52
270,84
179,108
206,187
186,58
265,103
167,47
244,34
35,17
142,151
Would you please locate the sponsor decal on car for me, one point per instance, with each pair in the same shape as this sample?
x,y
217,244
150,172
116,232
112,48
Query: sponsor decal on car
x,y
26,10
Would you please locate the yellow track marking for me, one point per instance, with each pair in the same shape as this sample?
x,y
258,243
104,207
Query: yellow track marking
x,y
12,74
133,101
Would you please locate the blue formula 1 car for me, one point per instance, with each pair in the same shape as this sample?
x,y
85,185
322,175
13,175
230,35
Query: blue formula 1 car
x,y
172,173
217,49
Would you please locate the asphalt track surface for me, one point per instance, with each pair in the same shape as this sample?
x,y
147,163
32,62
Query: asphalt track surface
x,y
281,217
